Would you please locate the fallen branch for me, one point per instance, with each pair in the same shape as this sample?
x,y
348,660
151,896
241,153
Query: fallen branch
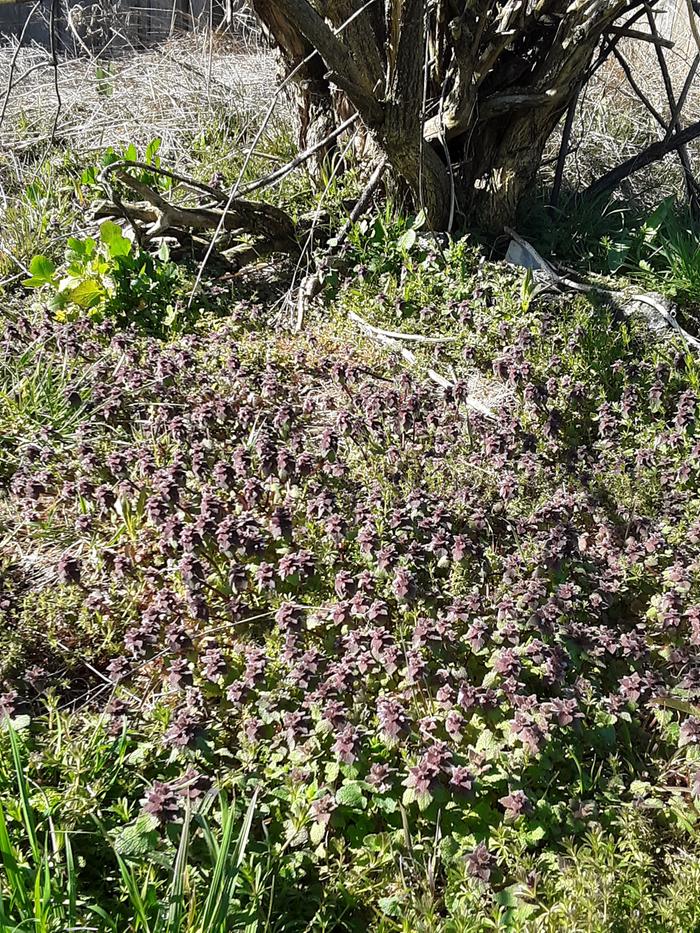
x,y
383,337
642,36
397,335
646,157
272,227
304,156
662,323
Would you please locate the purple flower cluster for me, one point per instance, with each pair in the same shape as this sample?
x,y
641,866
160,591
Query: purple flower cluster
x,y
311,560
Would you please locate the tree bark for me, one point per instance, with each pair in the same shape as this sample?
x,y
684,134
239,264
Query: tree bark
x,y
496,79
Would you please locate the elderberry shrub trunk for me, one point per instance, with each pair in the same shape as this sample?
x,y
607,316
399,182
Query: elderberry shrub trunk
x,y
459,96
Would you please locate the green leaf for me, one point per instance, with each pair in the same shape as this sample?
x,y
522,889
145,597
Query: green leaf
x,y
350,795
407,240
535,835
332,771
391,906
88,294
89,176
152,149
316,833
113,238
419,220
139,837
75,248
42,272
487,744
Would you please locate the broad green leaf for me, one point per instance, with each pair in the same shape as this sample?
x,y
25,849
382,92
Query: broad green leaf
x,y
391,906
316,833
407,240
109,157
138,837
350,795
152,149
42,272
113,238
88,294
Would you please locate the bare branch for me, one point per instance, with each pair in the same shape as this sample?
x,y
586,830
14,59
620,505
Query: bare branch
x,y
646,157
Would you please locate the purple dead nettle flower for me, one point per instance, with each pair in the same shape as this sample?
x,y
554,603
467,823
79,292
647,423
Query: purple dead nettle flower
x,y
334,713
392,716
421,777
304,668
281,523
685,413
480,863
403,585
184,728
528,731
516,803
689,732
192,786
379,777
265,576
179,674
162,802
346,743
507,663
341,613
454,723
322,809
477,635
237,692
213,664
289,617
462,780
8,704
69,569
298,563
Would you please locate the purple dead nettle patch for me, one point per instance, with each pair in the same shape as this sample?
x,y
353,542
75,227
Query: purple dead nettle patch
x,y
320,561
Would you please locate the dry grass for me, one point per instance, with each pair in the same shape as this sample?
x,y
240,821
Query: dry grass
x,y
167,92
612,123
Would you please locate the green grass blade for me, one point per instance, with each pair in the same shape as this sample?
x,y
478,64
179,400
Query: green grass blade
x,y
104,916
135,899
13,873
177,885
71,882
242,844
23,790
223,877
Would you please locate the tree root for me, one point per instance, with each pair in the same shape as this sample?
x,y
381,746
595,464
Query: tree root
x,y
247,229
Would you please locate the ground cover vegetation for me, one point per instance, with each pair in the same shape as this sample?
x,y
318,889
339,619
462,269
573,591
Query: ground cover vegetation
x,y
296,637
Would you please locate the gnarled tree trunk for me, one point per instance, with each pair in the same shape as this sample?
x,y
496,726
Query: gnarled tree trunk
x,y
459,95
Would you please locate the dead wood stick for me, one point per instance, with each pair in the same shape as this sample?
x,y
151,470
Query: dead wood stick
x,y
564,149
397,335
680,103
690,183
375,334
255,217
298,160
643,36
647,156
13,63
622,61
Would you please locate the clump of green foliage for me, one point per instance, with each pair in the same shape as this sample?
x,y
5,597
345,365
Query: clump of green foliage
x,y
295,640
111,278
